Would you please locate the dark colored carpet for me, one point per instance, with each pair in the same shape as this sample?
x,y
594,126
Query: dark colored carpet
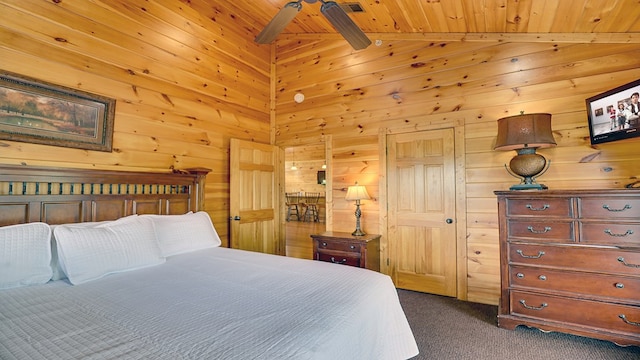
x,y
446,328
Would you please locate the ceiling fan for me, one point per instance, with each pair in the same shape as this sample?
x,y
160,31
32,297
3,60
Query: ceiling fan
x,y
330,9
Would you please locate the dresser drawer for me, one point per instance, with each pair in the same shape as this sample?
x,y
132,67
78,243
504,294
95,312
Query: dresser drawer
x,y
609,208
612,317
583,258
339,258
619,288
610,233
333,244
562,231
540,206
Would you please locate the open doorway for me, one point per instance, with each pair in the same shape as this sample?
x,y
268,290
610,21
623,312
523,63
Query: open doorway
x,y
305,190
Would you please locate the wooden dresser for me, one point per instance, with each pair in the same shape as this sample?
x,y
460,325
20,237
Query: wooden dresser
x,y
570,262
344,248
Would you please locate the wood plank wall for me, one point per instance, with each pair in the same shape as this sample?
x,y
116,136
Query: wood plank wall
x,y
412,85
186,79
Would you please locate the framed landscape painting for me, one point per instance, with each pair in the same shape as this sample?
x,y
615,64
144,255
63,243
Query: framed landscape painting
x,y
38,112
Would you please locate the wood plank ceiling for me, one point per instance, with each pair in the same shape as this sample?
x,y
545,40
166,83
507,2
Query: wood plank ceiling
x,y
454,16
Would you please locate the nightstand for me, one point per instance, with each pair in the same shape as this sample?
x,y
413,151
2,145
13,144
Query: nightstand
x,y
344,248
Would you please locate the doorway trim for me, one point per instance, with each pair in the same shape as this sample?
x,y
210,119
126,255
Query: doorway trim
x,y
460,199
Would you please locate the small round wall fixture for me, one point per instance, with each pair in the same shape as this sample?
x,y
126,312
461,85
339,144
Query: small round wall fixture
x,y
299,97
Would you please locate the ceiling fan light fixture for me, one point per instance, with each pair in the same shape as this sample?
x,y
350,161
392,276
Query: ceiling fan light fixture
x,y
344,25
279,22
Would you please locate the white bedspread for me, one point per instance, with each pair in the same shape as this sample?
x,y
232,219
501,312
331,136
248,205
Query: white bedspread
x,y
212,304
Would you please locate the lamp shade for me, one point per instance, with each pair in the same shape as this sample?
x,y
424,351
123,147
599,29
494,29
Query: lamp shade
x,y
357,192
524,131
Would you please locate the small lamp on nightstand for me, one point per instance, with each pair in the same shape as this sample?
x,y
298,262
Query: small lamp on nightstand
x,y
357,193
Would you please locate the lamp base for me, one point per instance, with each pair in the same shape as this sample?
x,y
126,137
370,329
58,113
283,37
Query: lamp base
x,y
534,186
358,232
527,166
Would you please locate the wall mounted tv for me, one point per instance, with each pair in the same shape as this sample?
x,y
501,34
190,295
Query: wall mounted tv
x,y
322,177
614,114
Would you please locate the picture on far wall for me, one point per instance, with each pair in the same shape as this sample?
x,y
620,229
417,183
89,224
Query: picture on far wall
x,y
42,113
322,180
614,114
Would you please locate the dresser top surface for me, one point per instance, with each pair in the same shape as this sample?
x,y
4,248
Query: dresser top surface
x,y
346,236
564,193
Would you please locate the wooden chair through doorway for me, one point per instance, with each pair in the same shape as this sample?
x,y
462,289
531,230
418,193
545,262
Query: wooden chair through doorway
x,y
293,203
311,205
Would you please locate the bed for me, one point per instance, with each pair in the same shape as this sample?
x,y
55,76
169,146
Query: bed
x,y
134,270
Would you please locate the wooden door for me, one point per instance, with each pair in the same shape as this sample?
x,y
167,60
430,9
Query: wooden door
x,y
254,197
421,210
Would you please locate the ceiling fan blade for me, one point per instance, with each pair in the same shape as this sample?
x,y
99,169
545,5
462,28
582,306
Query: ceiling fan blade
x,y
345,26
279,22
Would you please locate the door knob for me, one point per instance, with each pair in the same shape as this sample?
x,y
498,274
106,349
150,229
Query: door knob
x,y
449,221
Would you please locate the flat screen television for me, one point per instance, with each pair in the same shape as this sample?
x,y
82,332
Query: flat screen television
x,y
322,177
614,114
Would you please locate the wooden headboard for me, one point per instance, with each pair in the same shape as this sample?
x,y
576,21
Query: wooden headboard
x,y
58,195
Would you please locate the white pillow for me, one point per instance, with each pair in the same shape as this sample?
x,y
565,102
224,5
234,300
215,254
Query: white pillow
x,y
25,254
58,273
178,234
89,253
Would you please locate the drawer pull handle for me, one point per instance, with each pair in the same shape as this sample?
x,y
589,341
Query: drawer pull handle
x,y
543,208
626,207
610,233
333,260
624,318
520,275
621,259
352,247
545,230
324,244
542,306
620,285
540,253
542,277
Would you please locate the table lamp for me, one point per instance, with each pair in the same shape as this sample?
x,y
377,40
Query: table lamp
x,y
525,133
357,193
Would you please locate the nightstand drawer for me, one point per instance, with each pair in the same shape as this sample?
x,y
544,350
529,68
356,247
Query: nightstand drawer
x,y
343,259
338,245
